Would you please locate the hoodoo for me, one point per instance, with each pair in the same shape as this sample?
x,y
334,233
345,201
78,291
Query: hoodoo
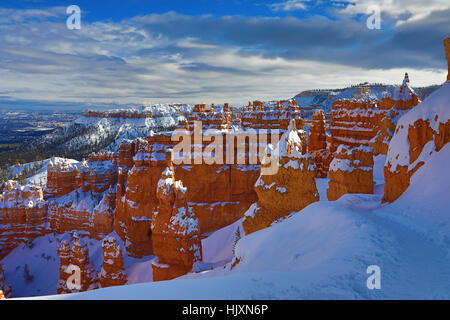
x,y
175,231
288,188
113,272
351,171
317,144
79,275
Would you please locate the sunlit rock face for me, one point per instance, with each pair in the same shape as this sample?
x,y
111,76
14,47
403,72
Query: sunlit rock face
x,y
351,171
419,133
23,215
219,193
291,188
175,229
394,104
317,144
81,196
371,122
113,271
353,123
76,273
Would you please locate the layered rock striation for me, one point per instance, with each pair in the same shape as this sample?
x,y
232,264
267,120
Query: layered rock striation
x,y
113,271
288,188
23,215
351,171
175,229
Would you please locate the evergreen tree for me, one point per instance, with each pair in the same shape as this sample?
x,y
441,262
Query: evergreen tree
x,y
237,236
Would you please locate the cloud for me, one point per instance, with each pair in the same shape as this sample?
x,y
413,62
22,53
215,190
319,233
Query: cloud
x,y
289,5
180,58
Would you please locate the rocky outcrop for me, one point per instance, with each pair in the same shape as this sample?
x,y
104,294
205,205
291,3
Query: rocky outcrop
x,y
317,144
64,262
175,231
113,272
288,189
219,193
317,132
81,196
5,290
393,105
353,123
419,133
23,215
351,171
76,272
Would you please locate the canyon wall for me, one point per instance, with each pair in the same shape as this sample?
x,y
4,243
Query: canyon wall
x,y
419,133
23,215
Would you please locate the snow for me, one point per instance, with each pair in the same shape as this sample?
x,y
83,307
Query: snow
x,y
434,109
324,250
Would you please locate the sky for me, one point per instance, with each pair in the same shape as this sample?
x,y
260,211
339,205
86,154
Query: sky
x,y
211,51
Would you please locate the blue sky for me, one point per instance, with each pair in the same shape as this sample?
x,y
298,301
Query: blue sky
x,y
211,51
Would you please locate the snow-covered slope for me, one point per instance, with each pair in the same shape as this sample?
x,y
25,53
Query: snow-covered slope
x,y
324,250
86,134
324,98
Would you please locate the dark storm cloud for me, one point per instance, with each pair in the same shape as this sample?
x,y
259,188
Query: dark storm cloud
x,y
415,44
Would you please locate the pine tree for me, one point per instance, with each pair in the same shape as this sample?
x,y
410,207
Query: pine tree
x,y
26,274
237,236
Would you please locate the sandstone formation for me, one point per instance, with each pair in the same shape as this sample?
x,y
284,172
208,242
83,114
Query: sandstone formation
x,y
64,262
81,197
393,105
317,144
175,230
291,188
370,122
351,171
353,123
76,272
5,291
419,133
113,272
23,215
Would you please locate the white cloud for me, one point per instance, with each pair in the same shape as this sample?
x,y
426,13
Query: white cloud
x,y
125,63
289,5
405,10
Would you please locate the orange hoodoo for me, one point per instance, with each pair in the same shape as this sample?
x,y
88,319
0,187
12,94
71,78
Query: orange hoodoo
x,y
175,231
287,187
317,144
113,272
23,215
76,272
351,171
